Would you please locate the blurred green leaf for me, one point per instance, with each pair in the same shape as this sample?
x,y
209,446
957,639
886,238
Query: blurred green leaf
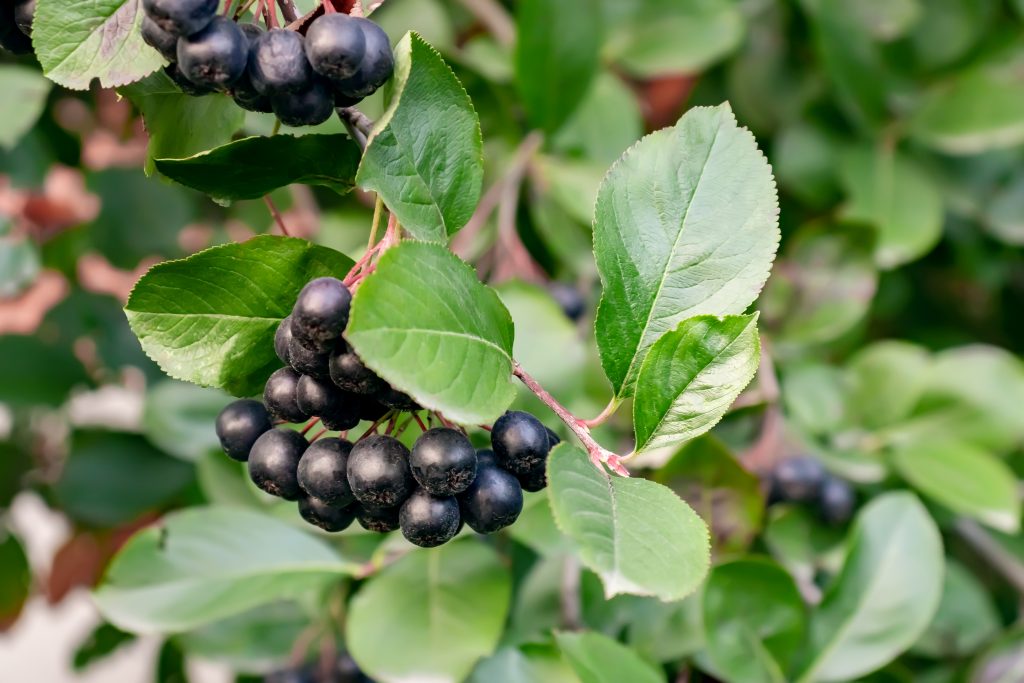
x,y
178,418
667,631
252,642
528,664
15,579
19,264
966,618
598,659
887,20
1003,662
25,91
34,371
815,397
606,122
886,380
103,641
949,29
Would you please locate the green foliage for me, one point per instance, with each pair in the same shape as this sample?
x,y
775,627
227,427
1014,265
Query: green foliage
x,y
25,94
598,659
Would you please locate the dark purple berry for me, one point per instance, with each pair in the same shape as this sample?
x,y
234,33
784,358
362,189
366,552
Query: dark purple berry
x,y
215,56
309,361
378,61
310,106
371,410
520,441
12,39
319,398
282,340
443,461
553,439
429,521
274,463
160,40
349,373
323,471
243,91
378,472
380,520
239,425
797,480
280,395
836,501
569,299
277,62
485,458
335,45
535,479
24,13
393,398
327,517
321,312
492,502
186,86
181,17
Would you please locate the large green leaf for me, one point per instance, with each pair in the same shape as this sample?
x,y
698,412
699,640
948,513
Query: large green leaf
x,y
754,620
424,322
885,595
964,478
596,658
637,535
209,563
686,224
528,664
606,122
254,166
966,618
252,642
79,41
691,376
425,154
445,607
24,97
177,418
556,57
210,318
886,380
179,125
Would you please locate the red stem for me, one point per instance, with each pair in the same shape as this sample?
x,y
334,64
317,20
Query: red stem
x,y
277,215
319,434
309,425
608,411
419,421
329,7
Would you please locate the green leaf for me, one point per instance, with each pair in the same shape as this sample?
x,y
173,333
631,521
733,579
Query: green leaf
x,y
886,380
690,378
425,154
966,618
964,478
35,371
25,92
801,542
754,620
556,57
597,658
887,20
252,167
19,264
637,535
686,225
210,318
425,323
15,579
1001,663
885,596
209,563
253,642
528,664
103,641
78,41
179,125
446,606
178,418
891,192
606,122
668,37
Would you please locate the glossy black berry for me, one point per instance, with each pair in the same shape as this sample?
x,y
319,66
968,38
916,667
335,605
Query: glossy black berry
x,y
797,480
378,61
371,410
520,441
344,418
327,517
186,86
378,472
321,312
553,439
214,57
429,521
323,471
282,340
569,298
24,13
443,461
277,62
280,395
836,501
310,106
274,463
535,479
160,40
309,361
243,91
181,17
485,458
393,398
492,502
239,425
380,520
335,45
317,397
349,373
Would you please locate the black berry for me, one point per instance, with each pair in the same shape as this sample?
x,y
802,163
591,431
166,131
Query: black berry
x,y
186,86
181,17
335,45
371,410
569,299
243,91
520,441
836,500
307,360
310,106
394,398
239,425
282,340
214,57
327,517
11,39
277,62
443,462
379,61
160,40
280,395
429,521
323,471
553,439
535,479
797,480
316,397
321,312
274,463
24,12
492,502
344,418
485,458
380,520
378,472
348,371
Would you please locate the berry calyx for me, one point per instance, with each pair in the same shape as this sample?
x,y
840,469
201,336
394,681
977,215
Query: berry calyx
x,y
160,40
379,520
239,425
321,311
216,56
274,463
277,62
335,45
443,462
535,479
521,442
181,17
280,395
493,501
429,521
349,372
378,472
327,517
323,471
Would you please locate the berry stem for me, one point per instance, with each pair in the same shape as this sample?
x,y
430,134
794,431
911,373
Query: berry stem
x,y
244,7
419,421
276,214
328,6
598,454
356,123
373,428
309,425
378,209
288,10
318,434
608,411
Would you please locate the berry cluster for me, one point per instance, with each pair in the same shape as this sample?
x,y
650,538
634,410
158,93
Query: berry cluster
x,y
16,25
428,492
345,670
804,480
300,78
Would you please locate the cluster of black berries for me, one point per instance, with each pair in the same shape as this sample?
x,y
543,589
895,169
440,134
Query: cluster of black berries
x,y
301,79
804,480
16,25
344,671
428,492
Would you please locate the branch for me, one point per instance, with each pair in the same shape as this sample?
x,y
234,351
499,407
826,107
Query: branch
x,y
357,124
288,10
495,18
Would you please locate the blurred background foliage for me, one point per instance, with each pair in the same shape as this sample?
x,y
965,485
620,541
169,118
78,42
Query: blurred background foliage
x,y
892,323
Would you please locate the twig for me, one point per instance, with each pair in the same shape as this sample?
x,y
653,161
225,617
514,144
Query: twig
x,y
276,214
288,10
1008,566
495,17
570,608
517,261
357,124
598,454
419,421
